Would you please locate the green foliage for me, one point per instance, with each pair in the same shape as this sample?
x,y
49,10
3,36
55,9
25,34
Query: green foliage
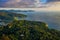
x,y
10,15
6,17
28,30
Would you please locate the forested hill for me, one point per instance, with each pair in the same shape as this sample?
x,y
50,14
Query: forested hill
x,y
7,16
28,30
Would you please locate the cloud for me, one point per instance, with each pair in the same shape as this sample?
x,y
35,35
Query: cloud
x,y
19,3
25,3
29,3
13,1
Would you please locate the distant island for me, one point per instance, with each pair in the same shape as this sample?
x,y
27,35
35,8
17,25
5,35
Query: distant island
x,y
17,11
25,29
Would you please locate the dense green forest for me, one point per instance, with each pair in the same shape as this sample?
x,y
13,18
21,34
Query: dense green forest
x,y
25,30
28,30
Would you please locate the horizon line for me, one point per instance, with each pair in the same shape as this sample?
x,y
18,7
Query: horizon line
x,y
37,9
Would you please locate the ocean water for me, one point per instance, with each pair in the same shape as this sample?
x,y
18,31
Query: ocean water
x,y
51,18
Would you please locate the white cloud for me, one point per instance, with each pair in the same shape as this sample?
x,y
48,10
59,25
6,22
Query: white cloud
x,y
31,3
19,3
13,1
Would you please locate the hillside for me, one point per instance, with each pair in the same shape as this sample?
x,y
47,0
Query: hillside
x,y
28,30
6,16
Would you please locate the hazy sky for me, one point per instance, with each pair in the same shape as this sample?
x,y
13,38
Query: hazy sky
x,y
45,4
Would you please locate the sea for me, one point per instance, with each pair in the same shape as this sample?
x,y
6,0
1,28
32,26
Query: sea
x,y
52,18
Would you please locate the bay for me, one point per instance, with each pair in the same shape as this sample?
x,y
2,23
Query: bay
x,y
51,18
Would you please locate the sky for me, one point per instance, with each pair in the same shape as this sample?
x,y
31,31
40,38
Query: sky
x,y
43,4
